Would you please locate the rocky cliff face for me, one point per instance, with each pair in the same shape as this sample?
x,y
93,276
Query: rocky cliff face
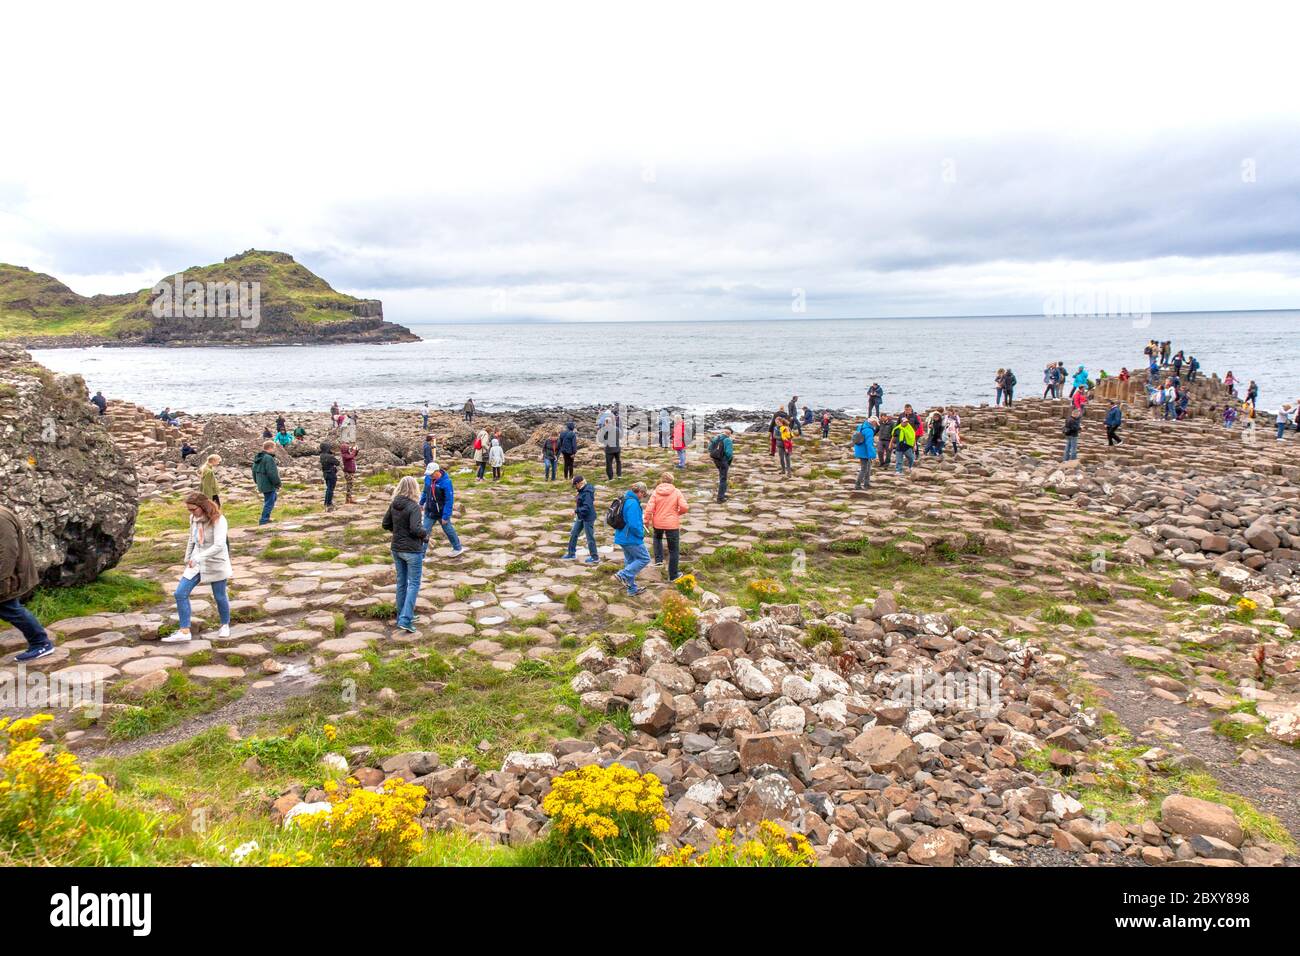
x,y
61,472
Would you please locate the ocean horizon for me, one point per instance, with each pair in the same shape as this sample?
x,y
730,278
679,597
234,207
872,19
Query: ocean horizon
x,y
699,365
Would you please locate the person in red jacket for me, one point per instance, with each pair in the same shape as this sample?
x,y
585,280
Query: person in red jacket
x,y
679,440
348,453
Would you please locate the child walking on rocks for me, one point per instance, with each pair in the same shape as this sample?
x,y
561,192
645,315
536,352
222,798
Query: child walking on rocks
x,y
497,459
207,561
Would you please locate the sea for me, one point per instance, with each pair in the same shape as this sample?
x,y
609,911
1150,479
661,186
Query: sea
x,y
700,366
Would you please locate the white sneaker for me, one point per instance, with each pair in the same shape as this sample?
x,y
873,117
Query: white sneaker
x,y
458,552
178,637
225,631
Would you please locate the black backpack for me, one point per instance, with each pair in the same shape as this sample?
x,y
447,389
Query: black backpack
x,y
716,451
614,516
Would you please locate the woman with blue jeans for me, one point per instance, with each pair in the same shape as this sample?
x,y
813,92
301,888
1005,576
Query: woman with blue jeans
x,y
405,521
207,561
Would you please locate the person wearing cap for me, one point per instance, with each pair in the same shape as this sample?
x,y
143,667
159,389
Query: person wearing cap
x,y
437,499
631,537
864,450
584,520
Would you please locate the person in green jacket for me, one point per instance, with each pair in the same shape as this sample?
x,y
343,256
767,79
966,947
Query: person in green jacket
x,y
904,436
266,474
208,478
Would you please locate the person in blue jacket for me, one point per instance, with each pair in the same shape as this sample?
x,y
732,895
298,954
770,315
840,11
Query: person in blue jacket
x,y
569,447
437,500
1080,380
631,537
584,519
864,450
1114,418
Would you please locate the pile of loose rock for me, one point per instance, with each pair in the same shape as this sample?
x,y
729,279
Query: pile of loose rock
x,y
901,740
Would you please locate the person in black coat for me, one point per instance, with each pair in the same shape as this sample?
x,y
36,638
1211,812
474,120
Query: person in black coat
x,y
569,447
329,468
405,521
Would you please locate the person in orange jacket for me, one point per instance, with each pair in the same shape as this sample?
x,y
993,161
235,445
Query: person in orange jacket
x,y
664,511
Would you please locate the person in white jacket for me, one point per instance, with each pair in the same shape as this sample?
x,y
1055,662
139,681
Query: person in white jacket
x,y
207,561
497,459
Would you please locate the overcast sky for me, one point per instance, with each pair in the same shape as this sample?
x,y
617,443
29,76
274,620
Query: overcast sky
x,y
664,161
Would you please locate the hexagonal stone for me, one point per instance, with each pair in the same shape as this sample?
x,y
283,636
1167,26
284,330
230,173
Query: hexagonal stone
x,y
147,665
251,651
145,683
81,626
486,648
87,673
181,650
102,639
279,605
113,656
454,630
344,645
301,586
300,636
216,672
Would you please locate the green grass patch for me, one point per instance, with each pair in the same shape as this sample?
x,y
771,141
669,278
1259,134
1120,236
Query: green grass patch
x,y
112,592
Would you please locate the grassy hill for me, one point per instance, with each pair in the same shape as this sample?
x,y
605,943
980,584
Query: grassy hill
x,y
296,306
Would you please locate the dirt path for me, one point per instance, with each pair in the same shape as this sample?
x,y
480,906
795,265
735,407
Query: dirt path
x,y
1269,786
255,703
